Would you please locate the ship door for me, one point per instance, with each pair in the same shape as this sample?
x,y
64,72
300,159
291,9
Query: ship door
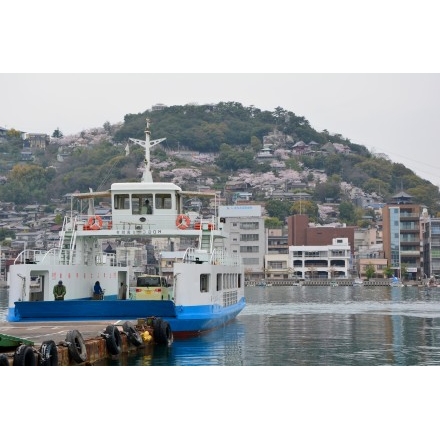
x,y
36,288
122,286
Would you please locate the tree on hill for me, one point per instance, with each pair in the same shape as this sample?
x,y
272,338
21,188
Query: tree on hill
x,y
57,133
305,207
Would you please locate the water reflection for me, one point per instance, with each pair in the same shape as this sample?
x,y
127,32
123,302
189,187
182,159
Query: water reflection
x,y
223,346
311,326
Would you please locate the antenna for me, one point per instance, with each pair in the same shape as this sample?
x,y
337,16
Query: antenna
x,y
147,144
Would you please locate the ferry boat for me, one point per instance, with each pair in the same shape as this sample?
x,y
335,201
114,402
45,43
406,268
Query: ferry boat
x,y
203,288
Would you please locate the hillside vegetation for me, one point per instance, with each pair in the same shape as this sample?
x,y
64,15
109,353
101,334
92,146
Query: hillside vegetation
x,y
227,131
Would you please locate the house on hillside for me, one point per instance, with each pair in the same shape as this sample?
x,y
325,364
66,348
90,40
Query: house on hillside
x,y
36,140
301,148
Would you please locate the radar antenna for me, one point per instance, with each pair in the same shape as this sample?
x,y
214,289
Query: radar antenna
x,y
147,144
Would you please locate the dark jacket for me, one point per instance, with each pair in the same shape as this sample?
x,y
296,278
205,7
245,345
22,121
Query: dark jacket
x,y
59,290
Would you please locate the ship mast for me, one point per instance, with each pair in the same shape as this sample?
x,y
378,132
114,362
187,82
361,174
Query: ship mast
x,y
147,144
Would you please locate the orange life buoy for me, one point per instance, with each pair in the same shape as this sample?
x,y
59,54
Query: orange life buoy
x,y
182,221
95,222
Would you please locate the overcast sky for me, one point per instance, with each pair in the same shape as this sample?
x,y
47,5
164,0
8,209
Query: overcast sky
x,y
395,114
390,112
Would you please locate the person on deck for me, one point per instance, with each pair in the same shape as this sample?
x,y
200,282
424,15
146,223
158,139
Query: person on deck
x,y
59,291
98,293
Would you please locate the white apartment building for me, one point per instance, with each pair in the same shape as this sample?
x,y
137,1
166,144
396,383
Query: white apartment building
x,y
245,226
331,261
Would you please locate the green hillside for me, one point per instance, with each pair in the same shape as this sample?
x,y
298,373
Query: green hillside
x,y
229,130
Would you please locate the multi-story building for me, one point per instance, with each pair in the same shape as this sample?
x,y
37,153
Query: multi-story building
x,y
276,261
36,140
300,233
402,236
245,226
431,247
378,264
328,261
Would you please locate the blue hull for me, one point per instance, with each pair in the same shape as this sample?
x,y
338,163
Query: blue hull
x,y
190,320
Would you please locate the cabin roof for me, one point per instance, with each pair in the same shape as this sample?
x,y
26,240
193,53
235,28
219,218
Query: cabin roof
x,y
145,186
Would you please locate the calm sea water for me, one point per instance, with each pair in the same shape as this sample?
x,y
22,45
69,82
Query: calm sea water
x,y
312,326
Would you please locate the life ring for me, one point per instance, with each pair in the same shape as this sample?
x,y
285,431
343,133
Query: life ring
x,y
113,339
24,355
76,346
162,333
94,222
48,354
133,335
183,221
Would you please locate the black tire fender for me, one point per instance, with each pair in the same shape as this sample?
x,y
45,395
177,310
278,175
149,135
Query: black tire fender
x,y
24,355
48,354
113,339
4,361
133,335
76,346
162,333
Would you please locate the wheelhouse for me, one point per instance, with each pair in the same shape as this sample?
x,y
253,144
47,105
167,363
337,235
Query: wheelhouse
x,y
153,204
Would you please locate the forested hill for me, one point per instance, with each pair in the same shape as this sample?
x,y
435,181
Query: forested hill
x,y
232,132
205,127
236,133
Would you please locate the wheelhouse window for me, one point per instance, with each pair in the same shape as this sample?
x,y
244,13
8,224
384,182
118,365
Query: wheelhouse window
x,y
121,201
163,201
142,203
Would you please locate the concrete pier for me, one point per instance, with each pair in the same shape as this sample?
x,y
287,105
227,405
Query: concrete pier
x,y
95,343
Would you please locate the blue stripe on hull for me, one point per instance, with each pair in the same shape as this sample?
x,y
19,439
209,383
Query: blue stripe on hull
x,y
202,318
194,319
89,310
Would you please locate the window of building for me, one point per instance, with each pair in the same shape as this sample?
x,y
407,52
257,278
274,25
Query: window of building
x,y
249,249
249,225
251,261
311,253
249,237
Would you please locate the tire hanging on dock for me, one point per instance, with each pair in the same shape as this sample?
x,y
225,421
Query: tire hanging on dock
x,y
162,333
4,361
24,356
133,335
76,346
48,355
113,339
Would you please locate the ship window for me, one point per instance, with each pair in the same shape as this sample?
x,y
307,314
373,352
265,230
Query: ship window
x,y
142,203
219,281
122,201
163,201
204,282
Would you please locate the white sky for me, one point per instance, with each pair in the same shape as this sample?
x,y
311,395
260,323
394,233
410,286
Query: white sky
x,y
374,77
